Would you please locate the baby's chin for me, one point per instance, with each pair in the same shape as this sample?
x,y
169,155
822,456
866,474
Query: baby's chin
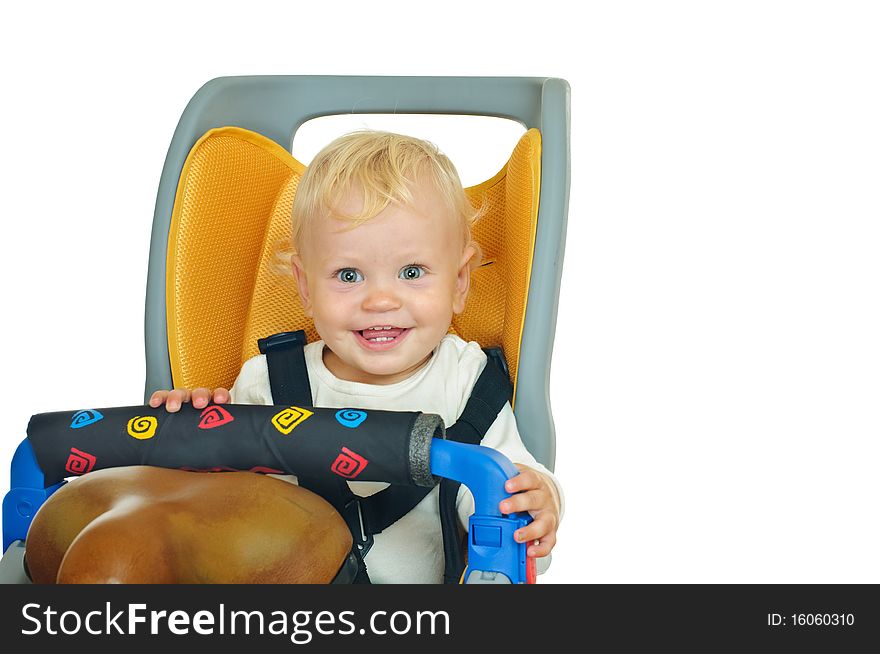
x,y
372,369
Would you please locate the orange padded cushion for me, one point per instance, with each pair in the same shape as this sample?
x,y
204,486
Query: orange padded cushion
x,y
228,188
496,303
228,285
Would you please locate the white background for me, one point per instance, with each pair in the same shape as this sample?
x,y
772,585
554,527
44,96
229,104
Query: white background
x,y
717,363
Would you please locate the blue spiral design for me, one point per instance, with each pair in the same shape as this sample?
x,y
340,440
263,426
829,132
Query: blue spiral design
x,y
350,418
84,418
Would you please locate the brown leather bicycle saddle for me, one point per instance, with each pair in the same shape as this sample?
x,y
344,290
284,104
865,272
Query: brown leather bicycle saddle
x,y
144,524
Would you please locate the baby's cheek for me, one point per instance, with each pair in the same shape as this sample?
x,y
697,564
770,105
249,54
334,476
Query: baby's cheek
x,y
437,310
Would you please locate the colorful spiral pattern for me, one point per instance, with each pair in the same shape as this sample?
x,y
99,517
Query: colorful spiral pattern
x,y
350,418
142,427
288,419
214,416
84,418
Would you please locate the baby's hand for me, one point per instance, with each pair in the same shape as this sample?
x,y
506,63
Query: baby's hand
x,y
536,494
200,398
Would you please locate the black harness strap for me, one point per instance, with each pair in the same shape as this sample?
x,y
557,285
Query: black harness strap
x,y
288,376
289,383
366,516
490,393
383,509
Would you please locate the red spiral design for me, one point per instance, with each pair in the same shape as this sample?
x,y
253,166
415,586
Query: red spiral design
x,y
214,416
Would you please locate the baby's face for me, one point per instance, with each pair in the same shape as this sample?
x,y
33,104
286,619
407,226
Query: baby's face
x,y
382,295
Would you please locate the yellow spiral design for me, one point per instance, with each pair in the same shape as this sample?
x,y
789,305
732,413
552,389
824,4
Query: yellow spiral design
x,y
287,420
142,427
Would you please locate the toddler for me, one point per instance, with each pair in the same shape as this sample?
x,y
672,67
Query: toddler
x,y
382,260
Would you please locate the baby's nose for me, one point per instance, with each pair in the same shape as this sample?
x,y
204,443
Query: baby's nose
x,y
381,298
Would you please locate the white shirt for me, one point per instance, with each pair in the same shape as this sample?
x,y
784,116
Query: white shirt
x,y
410,550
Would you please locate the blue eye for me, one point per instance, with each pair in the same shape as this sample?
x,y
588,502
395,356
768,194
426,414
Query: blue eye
x,y
349,276
411,272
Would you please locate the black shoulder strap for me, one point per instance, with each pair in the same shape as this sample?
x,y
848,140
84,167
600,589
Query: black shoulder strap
x,y
488,397
490,393
289,383
288,375
366,516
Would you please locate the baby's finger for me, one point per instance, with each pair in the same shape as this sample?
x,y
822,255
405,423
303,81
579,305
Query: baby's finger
x,y
201,397
176,398
526,480
222,396
541,528
157,399
543,547
528,501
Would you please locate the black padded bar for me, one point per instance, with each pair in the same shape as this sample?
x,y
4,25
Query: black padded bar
x,y
354,444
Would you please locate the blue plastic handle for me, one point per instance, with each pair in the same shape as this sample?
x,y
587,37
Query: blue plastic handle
x,y
27,494
491,546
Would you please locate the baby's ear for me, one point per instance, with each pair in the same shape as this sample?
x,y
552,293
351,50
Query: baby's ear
x,y
302,284
463,279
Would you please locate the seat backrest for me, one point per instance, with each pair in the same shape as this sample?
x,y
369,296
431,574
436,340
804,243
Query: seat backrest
x,y
216,282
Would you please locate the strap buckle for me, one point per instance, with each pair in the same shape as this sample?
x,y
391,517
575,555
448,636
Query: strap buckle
x,y
357,524
282,339
496,355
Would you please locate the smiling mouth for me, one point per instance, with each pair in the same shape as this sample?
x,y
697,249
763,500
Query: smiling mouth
x,y
381,337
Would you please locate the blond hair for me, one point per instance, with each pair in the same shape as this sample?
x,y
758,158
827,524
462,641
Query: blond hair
x,y
385,166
